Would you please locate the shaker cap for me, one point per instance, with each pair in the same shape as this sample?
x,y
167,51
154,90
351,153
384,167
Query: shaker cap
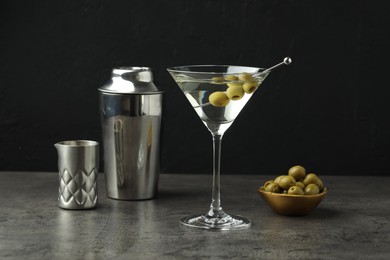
x,y
131,80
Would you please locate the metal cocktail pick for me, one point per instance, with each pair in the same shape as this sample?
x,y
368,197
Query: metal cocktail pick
x,y
286,61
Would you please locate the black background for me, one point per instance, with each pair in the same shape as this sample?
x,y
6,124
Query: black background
x,y
328,111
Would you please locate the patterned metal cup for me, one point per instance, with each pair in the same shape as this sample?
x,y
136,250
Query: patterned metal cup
x,y
78,166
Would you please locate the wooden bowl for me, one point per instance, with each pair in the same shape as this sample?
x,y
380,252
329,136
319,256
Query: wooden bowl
x,y
291,205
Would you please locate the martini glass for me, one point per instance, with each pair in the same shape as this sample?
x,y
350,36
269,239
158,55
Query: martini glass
x,y
218,93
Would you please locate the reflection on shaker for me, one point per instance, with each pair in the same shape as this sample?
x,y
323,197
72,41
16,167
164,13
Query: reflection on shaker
x,y
150,136
141,157
118,139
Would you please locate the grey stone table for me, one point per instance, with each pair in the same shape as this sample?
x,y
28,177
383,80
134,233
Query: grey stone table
x,y
352,222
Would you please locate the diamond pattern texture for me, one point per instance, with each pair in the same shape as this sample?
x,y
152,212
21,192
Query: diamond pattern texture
x,y
77,190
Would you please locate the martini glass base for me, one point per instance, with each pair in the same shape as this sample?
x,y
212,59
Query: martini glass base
x,y
227,222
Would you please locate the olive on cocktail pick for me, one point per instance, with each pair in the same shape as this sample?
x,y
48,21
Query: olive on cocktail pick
x,y
250,86
219,99
231,77
235,92
245,77
217,80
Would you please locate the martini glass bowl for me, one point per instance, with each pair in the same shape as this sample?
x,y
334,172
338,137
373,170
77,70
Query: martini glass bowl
x,y
217,93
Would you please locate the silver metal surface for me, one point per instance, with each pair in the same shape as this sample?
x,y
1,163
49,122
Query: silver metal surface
x,y
130,80
131,115
78,167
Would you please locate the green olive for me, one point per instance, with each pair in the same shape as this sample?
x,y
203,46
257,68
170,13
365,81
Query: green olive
x,y
295,190
234,85
231,77
320,184
272,187
312,189
300,185
250,87
219,99
277,179
245,77
286,182
235,92
313,178
310,178
268,182
297,171
217,80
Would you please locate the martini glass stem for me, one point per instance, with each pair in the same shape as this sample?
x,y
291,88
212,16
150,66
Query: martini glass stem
x,y
215,207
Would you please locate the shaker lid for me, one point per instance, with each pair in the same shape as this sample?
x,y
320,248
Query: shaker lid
x,y
131,80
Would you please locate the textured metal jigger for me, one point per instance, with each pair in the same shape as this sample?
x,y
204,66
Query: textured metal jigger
x,y
78,167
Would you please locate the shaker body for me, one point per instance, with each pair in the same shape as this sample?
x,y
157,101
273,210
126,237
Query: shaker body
x,y
131,133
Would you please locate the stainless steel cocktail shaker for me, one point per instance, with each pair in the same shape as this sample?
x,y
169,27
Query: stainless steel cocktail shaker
x,y
130,106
